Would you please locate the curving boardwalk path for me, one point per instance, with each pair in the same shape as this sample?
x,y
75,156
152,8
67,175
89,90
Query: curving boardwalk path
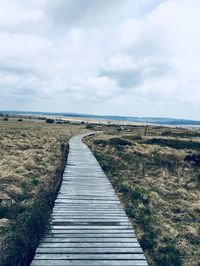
x,y
89,225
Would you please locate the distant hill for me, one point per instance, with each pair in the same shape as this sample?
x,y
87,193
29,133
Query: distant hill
x,y
151,120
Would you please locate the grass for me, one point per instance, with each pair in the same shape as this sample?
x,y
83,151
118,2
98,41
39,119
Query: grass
x,y
32,159
174,143
157,177
183,134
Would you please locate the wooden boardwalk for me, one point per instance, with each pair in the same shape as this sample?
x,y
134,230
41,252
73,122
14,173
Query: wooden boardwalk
x,y
89,225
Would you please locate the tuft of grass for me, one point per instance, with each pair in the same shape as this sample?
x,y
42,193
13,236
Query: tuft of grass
x,y
147,241
136,137
89,126
169,255
100,142
4,210
119,142
50,121
194,158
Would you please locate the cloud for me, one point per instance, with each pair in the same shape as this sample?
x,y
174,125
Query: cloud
x,y
101,56
159,55
81,13
130,71
15,16
94,89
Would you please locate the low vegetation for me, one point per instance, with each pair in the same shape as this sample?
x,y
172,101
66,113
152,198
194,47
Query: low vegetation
x,y
156,173
50,121
174,143
32,159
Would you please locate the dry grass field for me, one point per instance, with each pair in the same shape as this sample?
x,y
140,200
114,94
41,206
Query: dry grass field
x,y
156,172
32,158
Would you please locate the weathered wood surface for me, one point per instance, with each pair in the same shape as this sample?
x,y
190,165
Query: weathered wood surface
x,y
89,226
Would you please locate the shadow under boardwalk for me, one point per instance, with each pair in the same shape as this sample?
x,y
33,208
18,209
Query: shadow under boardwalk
x,y
89,225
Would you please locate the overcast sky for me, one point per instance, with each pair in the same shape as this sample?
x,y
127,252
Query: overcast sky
x,y
120,57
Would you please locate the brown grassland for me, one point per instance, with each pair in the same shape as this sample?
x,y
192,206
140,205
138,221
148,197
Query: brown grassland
x,y
154,170
156,173
32,158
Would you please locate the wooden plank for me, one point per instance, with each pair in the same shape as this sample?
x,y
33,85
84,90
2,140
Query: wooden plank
x,y
89,240
90,211
89,263
86,197
85,201
92,227
91,235
69,192
89,216
93,213
89,207
89,256
82,215
92,250
98,197
102,181
89,245
76,180
91,231
91,223
88,175
83,206
88,220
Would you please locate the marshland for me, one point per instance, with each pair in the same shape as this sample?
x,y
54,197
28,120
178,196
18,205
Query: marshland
x,y
154,170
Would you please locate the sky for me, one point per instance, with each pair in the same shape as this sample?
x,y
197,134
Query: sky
x,y
114,57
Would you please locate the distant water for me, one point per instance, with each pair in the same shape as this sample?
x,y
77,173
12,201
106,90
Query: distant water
x,y
150,120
